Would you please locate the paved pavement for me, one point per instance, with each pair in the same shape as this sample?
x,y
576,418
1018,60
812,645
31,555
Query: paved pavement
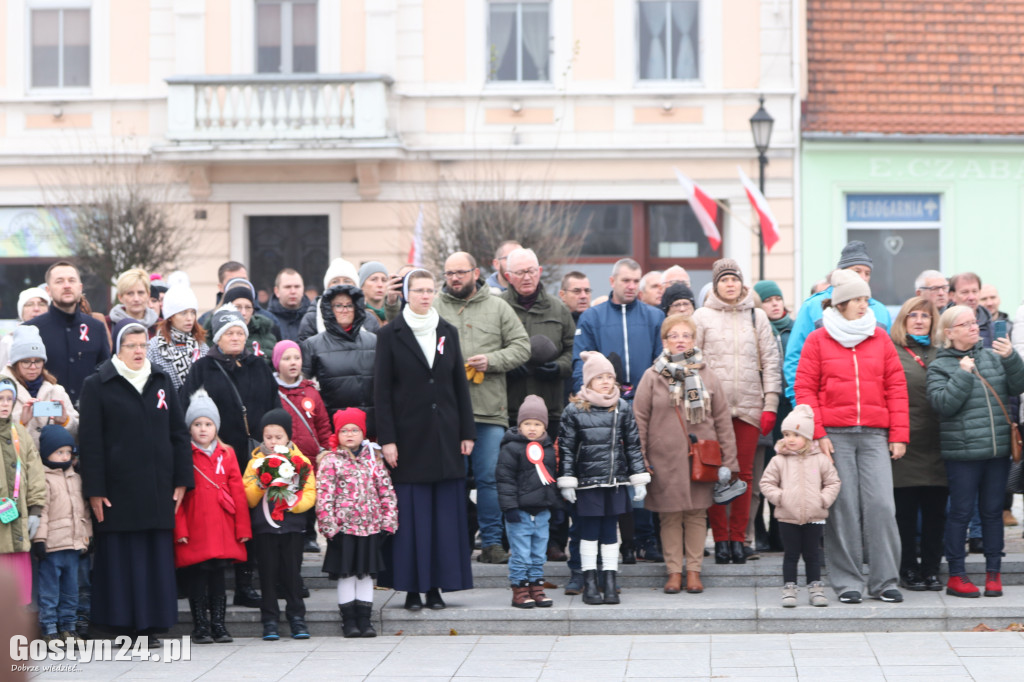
x,y
864,657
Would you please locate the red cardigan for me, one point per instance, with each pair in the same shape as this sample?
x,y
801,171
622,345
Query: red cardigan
x,y
306,398
859,386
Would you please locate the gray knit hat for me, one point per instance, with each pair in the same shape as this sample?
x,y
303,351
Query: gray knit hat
x,y
370,267
533,407
854,253
26,343
225,318
202,405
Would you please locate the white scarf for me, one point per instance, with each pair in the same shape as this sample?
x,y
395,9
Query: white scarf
x,y
424,328
136,377
848,333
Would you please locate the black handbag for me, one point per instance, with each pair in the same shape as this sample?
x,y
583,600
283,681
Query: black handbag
x,y
252,442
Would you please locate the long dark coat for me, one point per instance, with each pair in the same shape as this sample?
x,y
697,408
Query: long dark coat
x,y
922,465
134,449
425,411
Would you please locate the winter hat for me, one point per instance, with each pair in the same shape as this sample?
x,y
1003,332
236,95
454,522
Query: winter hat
x,y
767,288
675,292
848,285
225,318
350,415
542,350
854,253
593,364
8,385
178,299
238,292
202,405
723,267
407,279
280,347
26,343
533,407
801,421
240,282
340,267
124,327
157,285
27,295
370,267
51,438
178,277
277,417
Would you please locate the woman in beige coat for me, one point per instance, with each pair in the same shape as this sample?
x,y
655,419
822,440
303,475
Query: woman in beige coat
x,y
27,369
677,397
739,347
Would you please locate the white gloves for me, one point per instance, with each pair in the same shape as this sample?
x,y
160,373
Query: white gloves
x,y
33,526
569,494
639,492
724,475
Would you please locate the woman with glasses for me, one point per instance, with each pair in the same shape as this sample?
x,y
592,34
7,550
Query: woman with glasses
x,y
966,384
340,358
425,427
919,477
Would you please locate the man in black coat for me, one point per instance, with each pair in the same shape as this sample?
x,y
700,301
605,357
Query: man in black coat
x,y
76,343
289,303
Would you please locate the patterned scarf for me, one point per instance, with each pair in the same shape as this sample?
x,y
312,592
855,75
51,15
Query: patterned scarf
x,y
180,352
681,372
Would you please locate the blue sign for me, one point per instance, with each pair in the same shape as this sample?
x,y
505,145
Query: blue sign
x,y
893,208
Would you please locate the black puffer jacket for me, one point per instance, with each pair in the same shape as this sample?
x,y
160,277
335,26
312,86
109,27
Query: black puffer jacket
x,y
342,361
519,484
600,447
313,322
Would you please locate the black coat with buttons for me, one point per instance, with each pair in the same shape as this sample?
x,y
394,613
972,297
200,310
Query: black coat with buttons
x,y
425,410
76,345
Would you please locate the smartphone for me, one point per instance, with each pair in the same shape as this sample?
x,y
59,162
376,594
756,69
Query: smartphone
x,y
46,408
999,329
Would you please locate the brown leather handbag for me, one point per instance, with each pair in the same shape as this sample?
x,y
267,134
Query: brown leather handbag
x,y
705,457
1016,442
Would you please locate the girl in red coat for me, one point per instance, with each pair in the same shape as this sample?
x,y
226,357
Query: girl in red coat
x,y
311,426
212,522
850,375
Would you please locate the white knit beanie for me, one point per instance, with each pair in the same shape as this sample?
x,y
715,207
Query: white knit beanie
x,y
27,295
340,267
178,299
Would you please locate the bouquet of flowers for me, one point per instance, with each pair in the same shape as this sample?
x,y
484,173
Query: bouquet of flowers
x,y
283,477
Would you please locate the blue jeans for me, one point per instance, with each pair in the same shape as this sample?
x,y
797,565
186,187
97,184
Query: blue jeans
x,y
483,462
983,482
528,546
58,591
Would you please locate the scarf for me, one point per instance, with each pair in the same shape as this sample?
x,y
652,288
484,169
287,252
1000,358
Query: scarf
x,y
424,328
921,339
528,301
848,333
783,324
681,371
282,384
379,312
208,450
591,396
180,352
118,313
136,377
34,386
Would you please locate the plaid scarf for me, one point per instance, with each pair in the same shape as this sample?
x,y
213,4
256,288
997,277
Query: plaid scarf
x,y
681,372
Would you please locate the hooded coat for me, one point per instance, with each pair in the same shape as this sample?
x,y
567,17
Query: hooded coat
x,y
802,486
47,391
32,496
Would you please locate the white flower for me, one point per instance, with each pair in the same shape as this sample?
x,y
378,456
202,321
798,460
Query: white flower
x,y
281,449
286,470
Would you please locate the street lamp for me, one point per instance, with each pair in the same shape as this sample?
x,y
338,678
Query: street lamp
x,y
761,127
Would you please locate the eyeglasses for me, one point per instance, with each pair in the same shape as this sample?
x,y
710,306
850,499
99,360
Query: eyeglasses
x,y
133,346
343,306
528,272
456,273
353,430
679,337
422,292
33,362
938,288
967,325
578,291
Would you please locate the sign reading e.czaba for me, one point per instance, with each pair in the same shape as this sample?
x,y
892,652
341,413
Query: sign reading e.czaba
x,y
892,208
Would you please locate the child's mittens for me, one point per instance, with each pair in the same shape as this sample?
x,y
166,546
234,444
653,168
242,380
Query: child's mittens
x,y
33,526
39,550
639,492
513,515
724,475
569,494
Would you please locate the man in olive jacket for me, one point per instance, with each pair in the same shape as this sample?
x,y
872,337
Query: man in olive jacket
x,y
493,342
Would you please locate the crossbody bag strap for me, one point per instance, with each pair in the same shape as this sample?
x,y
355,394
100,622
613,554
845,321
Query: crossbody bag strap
x,y
995,395
16,442
205,476
301,418
238,397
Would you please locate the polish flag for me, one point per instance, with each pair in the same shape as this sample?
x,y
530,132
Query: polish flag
x,y
769,225
704,207
416,248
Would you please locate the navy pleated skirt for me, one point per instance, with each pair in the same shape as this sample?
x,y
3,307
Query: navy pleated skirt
x,y
133,586
431,547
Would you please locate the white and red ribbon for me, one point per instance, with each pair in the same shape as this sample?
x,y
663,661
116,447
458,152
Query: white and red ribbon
x,y
195,355
256,349
83,332
161,400
307,405
440,346
535,453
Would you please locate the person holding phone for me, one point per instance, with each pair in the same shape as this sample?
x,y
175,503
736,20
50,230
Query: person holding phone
x,y
40,400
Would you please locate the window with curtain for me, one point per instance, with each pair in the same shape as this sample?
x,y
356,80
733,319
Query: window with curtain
x,y
286,36
519,37
669,39
60,48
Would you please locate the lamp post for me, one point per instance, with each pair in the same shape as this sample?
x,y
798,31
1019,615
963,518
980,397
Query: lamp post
x,y
761,126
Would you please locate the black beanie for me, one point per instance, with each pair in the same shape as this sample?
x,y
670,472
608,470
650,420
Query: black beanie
x,y
675,292
277,417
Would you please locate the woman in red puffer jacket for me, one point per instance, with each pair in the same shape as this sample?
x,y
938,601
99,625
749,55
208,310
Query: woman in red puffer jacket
x,y
850,375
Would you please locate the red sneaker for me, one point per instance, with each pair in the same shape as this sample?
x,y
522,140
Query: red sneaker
x,y
993,584
961,586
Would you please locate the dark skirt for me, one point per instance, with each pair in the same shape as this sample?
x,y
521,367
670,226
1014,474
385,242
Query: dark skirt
x,y
431,547
133,584
603,501
353,555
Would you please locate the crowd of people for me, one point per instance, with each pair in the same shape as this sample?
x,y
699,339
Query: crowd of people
x,y
403,417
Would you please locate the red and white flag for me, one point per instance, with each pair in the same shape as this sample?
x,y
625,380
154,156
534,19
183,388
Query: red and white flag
x,y
704,207
769,225
416,248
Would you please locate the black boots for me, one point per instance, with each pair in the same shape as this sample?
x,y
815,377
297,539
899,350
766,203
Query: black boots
x,y
349,629
591,595
364,613
200,620
738,555
355,619
218,612
245,594
434,600
611,589
723,555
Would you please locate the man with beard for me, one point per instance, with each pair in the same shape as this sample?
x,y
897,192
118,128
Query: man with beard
x,y
493,342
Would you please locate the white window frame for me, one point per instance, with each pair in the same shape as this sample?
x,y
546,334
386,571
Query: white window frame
x,y
49,5
287,34
701,19
519,43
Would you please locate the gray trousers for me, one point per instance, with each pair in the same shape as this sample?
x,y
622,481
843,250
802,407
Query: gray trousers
x,y
862,522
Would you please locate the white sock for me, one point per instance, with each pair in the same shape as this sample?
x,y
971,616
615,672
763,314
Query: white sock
x,y
588,555
364,589
610,557
346,590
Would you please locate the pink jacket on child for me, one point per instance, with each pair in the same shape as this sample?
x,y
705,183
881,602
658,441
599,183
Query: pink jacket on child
x,y
801,486
354,495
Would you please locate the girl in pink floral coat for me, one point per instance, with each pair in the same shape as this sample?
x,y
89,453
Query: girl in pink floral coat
x,y
355,506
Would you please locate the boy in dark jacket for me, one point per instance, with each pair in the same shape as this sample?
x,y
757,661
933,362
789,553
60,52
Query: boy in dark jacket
x,y
527,493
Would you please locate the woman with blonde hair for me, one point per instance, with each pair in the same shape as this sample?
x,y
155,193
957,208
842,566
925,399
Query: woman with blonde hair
x,y
133,301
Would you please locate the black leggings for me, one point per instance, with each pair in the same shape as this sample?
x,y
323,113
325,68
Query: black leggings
x,y
601,528
797,540
204,580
